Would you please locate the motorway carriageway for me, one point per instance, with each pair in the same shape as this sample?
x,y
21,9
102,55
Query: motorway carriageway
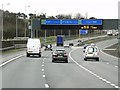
x,y
35,72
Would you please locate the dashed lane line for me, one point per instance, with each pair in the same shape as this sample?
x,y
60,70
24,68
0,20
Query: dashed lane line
x,y
103,79
46,86
42,70
42,65
43,75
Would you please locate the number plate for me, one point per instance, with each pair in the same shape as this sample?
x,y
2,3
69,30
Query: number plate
x,y
60,56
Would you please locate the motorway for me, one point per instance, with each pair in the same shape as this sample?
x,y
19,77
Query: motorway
x,y
35,72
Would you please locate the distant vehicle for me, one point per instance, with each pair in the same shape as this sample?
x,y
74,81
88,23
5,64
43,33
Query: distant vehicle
x,y
66,46
71,44
109,32
59,55
48,47
60,40
80,43
116,33
91,52
79,40
33,47
92,44
112,32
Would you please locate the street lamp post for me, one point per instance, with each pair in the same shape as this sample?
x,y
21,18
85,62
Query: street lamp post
x,y
16,26
25,19
2,21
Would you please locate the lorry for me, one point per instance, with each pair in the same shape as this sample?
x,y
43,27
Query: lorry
x,y
60,40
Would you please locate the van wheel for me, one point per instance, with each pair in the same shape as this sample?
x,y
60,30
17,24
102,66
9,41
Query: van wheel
x,y
27,55
53,61
39,55
66,61
85,59
97,59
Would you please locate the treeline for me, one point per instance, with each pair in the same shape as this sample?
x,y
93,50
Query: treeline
x,y
9,24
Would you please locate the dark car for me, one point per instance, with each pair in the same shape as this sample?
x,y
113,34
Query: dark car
x,y
59,55
79,40
71,44
48,47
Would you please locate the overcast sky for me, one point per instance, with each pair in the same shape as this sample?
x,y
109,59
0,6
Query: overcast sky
x,y
105,9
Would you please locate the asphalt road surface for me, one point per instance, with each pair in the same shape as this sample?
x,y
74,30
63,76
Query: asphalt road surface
x,y
35,72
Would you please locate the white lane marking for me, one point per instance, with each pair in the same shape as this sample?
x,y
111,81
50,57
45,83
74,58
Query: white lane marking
x,y
107,63
116,66
8,61
43,75
42,62
109,49
46,86
42,65
42,70
92,72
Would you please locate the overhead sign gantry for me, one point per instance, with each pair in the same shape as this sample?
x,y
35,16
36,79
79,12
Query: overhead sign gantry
x,y
71,24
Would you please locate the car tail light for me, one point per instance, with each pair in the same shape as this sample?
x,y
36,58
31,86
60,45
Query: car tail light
x,y
65,55
54,54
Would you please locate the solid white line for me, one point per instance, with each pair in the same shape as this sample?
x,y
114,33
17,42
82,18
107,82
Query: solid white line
x,y
8,61
92,72
116,66
107,63
46,86
109,49
43,75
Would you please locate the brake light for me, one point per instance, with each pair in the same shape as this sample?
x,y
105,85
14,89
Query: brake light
x,y
54,54
65,54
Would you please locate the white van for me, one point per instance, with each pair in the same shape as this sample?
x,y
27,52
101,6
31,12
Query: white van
x,y
33,47
91,52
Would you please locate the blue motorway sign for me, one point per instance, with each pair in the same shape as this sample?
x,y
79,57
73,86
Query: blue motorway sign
x,y
83,31
59,22
91,22
69,22
50,22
